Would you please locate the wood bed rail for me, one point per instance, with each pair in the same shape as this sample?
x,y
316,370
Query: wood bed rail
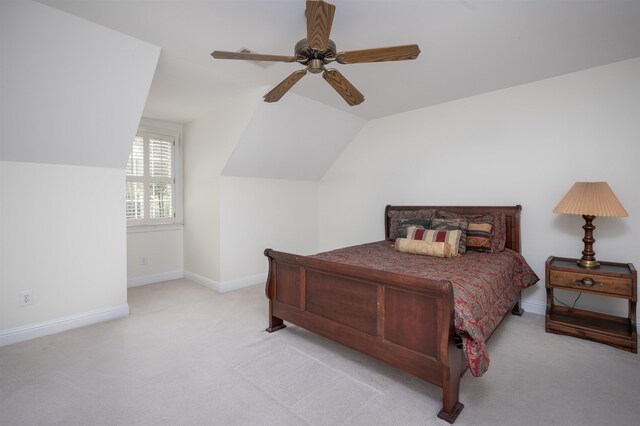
x,y
385,315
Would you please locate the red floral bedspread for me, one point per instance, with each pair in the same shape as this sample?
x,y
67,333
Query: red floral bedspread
x,y
484,286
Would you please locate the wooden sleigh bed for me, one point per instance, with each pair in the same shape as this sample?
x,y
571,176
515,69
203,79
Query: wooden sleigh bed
x,y
378,312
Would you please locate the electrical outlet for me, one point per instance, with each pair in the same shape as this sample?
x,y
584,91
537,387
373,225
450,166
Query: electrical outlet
x,y
143,260
26,297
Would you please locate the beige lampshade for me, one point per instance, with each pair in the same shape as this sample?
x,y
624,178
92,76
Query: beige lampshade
x,y
591,199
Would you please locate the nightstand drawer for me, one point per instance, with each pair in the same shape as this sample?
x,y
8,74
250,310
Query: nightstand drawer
x,y
588,281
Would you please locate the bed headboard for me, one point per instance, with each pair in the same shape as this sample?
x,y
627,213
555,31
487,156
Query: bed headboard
x,y
512,215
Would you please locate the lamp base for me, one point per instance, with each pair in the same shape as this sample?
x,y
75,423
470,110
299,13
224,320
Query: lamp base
x,y
592,264
588,259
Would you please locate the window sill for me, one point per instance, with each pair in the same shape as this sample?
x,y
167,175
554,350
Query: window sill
x,y
136,229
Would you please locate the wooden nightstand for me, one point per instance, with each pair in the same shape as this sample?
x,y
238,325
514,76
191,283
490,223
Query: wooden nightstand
x,y
610,279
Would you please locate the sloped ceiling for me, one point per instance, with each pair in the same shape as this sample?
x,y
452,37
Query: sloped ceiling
x,y
468,47
299,139
72,91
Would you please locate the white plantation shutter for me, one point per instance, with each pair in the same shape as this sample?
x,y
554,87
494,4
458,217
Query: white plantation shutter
x,y
135,200
150,180
135,165
160,153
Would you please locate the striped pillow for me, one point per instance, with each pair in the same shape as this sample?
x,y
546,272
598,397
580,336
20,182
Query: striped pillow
x,y
479,237
451,225
436,236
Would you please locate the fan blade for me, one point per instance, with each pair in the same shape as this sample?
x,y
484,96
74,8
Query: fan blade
x,y
277,92
380,54
343,87
319,20
218,54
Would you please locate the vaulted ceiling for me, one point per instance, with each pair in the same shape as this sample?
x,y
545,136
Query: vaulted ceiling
x,y
468,47
292,140
71,92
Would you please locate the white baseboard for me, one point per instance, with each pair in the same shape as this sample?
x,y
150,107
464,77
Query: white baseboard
x,y
155,278
243,282
28,332
199,279
223,287
534,307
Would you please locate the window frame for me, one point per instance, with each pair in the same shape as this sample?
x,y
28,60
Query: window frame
x,y
146,223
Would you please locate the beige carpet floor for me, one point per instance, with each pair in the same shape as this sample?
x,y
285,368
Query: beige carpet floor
x,y
189,356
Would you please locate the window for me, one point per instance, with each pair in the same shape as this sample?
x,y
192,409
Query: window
x,y
150,198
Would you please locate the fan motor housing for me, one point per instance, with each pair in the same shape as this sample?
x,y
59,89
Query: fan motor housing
x,y
305,54
315,66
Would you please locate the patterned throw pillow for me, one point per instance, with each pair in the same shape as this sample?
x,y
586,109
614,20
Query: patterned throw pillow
x,y
403,224
427,248
497,217
395,215
452,225
479,237
499,231
436,236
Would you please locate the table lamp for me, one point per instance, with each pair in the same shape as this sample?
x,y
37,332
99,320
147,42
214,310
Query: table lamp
x,y
590,199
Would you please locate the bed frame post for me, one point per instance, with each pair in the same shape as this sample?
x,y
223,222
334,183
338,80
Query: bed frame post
x,y
451,406
451,372
275,323
517,307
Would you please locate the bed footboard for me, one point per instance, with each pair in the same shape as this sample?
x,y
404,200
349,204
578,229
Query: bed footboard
x,y
404,321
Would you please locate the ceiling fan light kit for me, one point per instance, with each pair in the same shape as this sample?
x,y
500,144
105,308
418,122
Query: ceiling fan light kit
x,y
317,50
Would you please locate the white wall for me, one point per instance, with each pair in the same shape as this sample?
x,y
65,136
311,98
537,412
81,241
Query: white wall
x,y
524,145
72,97
256,214
63,237
208,143
229,221
155,253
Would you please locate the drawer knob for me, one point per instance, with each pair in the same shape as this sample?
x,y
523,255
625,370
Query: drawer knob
x,y
588,282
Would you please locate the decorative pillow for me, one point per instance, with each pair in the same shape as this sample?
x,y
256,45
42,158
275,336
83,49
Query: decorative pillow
x,y
403,224
428,248
496,217
452,225
499,231
479,237
436,236
394,215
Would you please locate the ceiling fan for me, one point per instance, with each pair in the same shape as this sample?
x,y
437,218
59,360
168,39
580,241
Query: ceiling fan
x,y
317,50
